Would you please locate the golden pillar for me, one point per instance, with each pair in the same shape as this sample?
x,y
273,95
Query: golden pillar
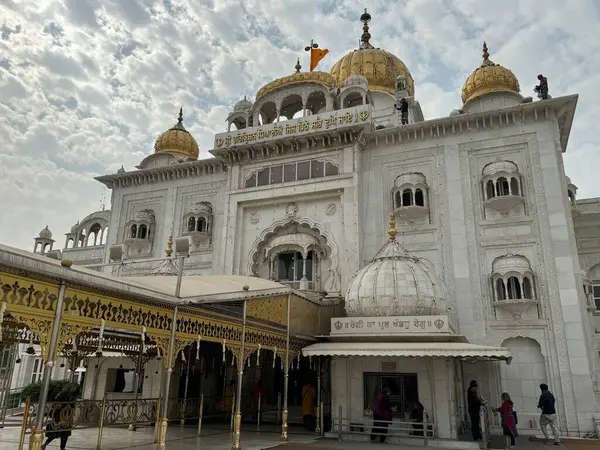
x,y
37,433
237,421
286,370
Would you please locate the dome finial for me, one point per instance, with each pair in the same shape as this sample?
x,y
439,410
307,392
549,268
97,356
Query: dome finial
x,y
180,118
365,18
298,66
392,232
486,56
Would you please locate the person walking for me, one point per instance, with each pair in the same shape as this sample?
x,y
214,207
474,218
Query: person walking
x,y
474,404
382,416
63,413
547,403
509,422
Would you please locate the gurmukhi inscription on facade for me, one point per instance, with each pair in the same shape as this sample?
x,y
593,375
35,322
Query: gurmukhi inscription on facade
x,y
389,325
332,120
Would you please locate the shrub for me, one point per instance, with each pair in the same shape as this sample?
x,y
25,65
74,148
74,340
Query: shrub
x,y
33,390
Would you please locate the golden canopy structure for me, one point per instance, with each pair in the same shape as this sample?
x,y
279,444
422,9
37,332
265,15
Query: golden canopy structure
x,y
489,78
379,67
178,141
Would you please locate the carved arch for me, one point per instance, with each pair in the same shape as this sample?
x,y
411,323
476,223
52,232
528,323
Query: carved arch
x,y
538,336
278,225
588,262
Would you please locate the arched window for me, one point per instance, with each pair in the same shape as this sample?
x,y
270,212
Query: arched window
x,y
38,247
192,224
104,235
419,197
489,190
398,200
514,288
407,197
46,248
502,186
500,289
514,186
82,237
70,243
202,224
527,288
134,231
142,232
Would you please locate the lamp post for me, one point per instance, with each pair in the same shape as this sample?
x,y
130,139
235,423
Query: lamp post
x,y
162,440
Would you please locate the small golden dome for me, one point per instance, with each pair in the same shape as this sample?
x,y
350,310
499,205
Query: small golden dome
x,y
488,78
324,78
379,67
177,141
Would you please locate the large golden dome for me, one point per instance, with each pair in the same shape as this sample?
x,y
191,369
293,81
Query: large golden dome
x,y
324,78
488,78
177,141
379,67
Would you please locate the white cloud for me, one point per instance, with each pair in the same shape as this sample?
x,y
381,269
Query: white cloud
x,y
86,86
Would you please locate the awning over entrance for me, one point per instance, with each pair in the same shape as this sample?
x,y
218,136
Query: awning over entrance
x,y
457,350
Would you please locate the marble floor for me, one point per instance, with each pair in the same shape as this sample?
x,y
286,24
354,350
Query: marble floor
x,y
177,438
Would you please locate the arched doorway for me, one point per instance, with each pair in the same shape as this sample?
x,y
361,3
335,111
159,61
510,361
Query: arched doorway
x,y
298,253
522,378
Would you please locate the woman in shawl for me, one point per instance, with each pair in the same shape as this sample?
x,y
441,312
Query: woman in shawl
x,y
509,424
63,411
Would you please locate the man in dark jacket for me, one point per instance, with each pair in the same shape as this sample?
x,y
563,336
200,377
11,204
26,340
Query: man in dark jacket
x,y
547,404
403,108
543,86
382,416
474,404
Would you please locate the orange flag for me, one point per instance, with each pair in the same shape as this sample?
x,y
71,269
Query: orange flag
x,y
316,55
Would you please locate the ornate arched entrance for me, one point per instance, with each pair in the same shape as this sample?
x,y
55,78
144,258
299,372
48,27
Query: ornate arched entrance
x,y
298,252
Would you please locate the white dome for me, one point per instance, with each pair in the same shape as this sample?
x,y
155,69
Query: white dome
x,y
242,105
395,283
46,233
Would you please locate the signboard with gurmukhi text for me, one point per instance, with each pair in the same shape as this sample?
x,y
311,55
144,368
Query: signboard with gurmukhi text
x,y
331,120
389,325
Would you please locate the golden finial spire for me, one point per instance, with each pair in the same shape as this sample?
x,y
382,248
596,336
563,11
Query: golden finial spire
x,y
392,232
298,66
486,55
365,18
169,250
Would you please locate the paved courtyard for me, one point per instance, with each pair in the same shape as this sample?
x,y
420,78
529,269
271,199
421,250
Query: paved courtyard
x,y
220,439
178,438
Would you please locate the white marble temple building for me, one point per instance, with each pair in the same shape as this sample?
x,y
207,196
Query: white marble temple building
x,y
299,190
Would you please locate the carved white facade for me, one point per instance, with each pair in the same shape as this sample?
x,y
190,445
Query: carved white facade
x,y
481,195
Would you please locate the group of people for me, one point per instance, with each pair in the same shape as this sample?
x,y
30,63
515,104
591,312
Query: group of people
x,y
546,403
382,417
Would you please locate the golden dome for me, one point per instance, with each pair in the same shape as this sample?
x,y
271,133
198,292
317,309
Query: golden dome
x,y
379,67
177,141
324,78
488,78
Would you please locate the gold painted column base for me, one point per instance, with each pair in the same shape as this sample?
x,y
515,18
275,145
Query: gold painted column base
x,y
237,426
284,425
162,434
35,440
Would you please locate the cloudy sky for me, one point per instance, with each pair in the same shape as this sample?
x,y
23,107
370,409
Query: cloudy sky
x,y
87,85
